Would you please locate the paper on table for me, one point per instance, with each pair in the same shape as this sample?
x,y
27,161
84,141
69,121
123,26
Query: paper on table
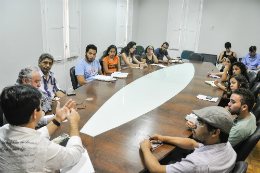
x,y
214,76
83,166
119,75
104,78
160,65
203,97
212,83
49,116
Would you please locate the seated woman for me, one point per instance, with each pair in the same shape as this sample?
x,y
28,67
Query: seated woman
x,y
128,56
111,63
235,68
148,56
223,55
229,60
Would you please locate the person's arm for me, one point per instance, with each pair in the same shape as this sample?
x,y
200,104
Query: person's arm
x,y
105,66
81,80
225,76
59,94
169,58
185,143
220,86
220,57
216,74
100,72
46,103
155,60
234,54
123,56
151,162
136,61
143,60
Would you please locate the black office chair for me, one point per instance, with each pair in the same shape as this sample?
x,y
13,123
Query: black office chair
x,y
210,58
240,167
185,54
244,148
256,109
73,78
252,78
255,89
138,57
196,57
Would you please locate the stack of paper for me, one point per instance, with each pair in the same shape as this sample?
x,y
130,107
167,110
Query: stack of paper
x,y
119,75
213,99
159,65
177,60
214,76
212,83
104,78
191,117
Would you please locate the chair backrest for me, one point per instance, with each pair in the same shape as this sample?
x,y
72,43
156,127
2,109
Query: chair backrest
x,y
186,54
244,148
73,78
210,58
138,57
252,77
240,167
256,109
139,50
196,57
255,89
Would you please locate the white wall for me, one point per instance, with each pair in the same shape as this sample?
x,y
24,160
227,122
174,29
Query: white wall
x,y
135,25
20,37
236,21
98,24
153,15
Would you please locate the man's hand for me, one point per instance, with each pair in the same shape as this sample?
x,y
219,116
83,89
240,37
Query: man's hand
x,y
73,116
61,113
216,82
159,137
170,61
191,125
70,104
145,144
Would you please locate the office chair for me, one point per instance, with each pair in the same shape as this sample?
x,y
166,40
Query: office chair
x,y
252,77
244,148
186,54
210,58
256,109
196,57
73,78
138,57
139,50
255,89
240,167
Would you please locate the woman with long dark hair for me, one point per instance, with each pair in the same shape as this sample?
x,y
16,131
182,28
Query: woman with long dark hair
x,y
111,62
128,56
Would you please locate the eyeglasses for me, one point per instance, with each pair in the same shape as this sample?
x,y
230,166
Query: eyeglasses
x,y
200,123
46,63
150,48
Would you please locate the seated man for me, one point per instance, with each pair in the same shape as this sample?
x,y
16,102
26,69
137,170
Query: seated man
x,y
88,67
212,152
24,149
252,59
31,76
49,84
241,103
160,52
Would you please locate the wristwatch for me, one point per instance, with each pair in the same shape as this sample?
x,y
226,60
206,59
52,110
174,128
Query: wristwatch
x,y
56,122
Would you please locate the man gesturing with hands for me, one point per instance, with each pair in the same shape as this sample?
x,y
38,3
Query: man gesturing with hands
x,y
24,149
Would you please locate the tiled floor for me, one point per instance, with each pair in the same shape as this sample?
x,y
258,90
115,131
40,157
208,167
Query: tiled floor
x,y
253,160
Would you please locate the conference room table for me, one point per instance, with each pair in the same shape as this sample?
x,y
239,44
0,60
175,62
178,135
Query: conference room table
x,y
118,150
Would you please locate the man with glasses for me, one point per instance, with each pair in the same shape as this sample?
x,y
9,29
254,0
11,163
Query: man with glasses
x,y
252,59
241,104
160,52
49,84
212,151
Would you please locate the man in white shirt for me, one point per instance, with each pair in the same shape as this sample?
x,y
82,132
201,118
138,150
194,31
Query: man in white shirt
x,y
212,151
24,149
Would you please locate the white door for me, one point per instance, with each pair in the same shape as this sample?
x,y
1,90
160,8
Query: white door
x,y
121,23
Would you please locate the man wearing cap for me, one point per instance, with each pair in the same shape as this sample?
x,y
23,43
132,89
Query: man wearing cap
x,y
212,151
241,103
